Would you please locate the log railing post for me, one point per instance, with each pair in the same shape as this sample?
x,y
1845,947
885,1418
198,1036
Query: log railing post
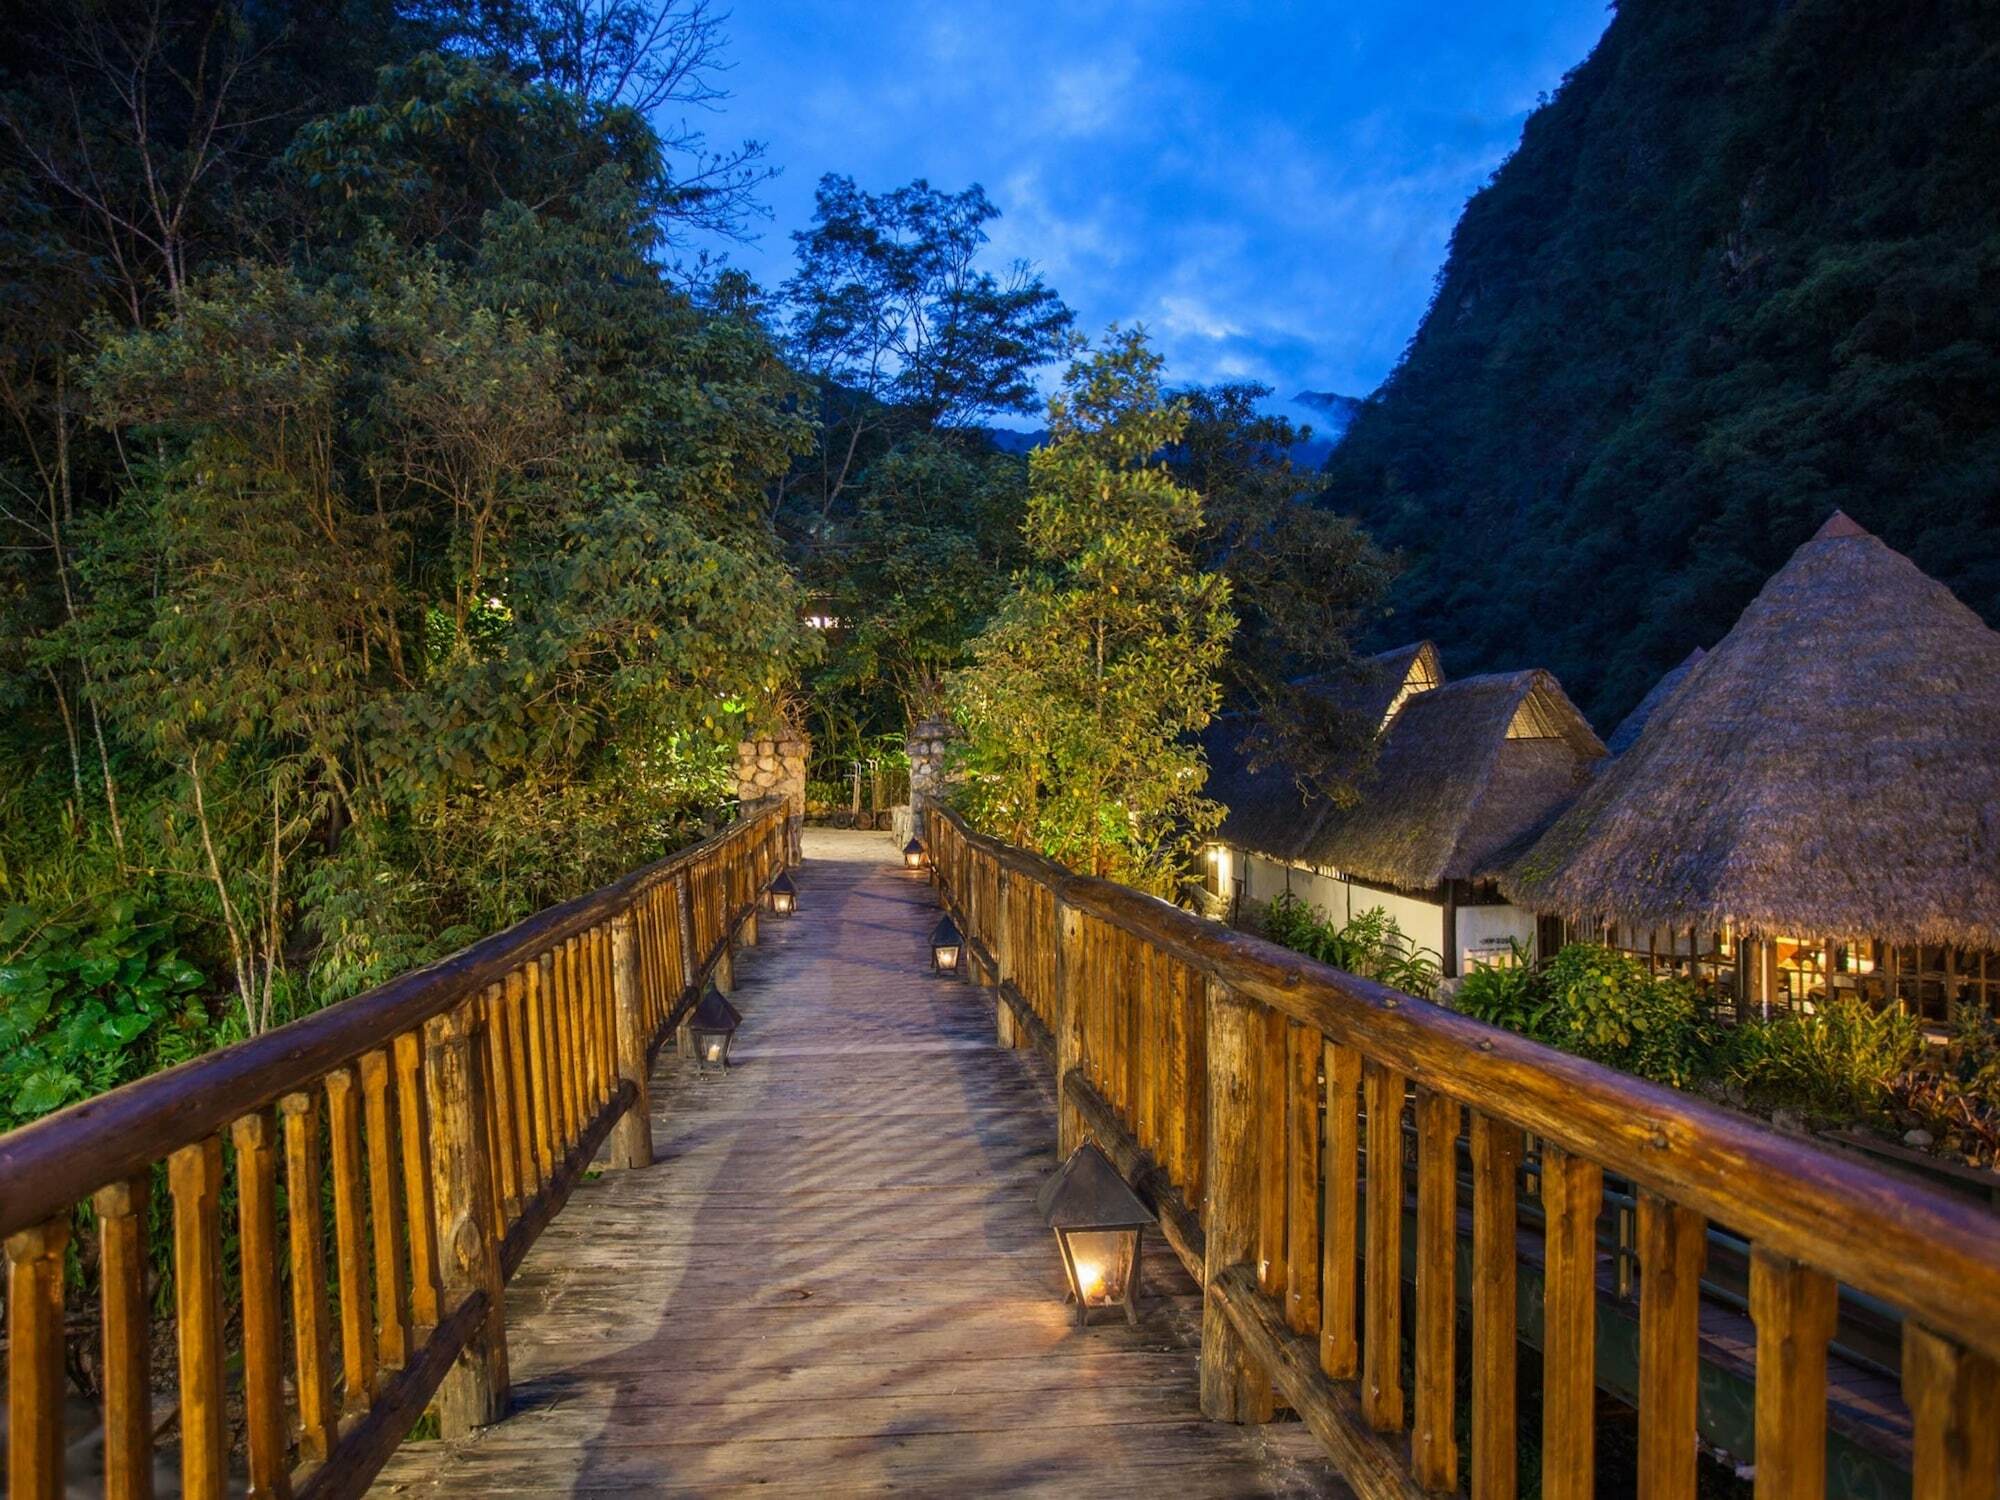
x,y
1954,1399
1000,943
194,1178
127,1328
690,959
1794,1308
1232,1389
474,1393
35,1359
256,1138
632,1140
1070,1007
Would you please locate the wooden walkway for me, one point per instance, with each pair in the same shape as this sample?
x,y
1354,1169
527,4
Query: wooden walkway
x,y
832,1281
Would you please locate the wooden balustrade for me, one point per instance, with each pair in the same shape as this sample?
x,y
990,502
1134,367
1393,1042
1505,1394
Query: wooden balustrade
x,y
1257,1100
385,1164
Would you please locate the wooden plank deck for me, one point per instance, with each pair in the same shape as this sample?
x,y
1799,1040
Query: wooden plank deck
x,y
832,1281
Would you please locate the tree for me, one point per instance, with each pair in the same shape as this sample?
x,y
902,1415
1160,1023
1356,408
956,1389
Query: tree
x,y
1305,582
917,574
1085,693
903,332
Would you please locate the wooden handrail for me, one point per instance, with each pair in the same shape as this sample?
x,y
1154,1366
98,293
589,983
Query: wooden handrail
x,y
62,1158
445,1117
1144,1009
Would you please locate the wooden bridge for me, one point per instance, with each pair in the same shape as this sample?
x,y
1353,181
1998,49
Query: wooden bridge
x,y
491,1191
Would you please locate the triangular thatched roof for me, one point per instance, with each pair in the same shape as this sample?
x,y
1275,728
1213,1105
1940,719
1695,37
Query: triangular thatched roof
x,y
1832,768
1464,771
1269,812
1626,735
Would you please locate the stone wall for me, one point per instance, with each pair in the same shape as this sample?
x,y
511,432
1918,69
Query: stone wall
x,y
929,743
775,766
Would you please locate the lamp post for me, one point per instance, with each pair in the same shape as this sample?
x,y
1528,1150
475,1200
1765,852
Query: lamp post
x,y
783,895
710,1028
947,946
1099,1224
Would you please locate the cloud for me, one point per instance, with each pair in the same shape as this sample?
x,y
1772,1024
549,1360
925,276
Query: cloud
x,y
1269,188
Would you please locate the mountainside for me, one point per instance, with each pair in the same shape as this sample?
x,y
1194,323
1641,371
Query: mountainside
x,y
1743,268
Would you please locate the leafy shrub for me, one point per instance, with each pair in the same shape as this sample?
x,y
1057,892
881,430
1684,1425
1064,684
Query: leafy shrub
x,y
86,1006
1840,1063
1599,1004
1609,1007
1512,996
1370,944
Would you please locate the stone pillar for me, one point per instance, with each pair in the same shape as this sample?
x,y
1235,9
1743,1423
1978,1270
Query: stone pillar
x,y
929,743
774,765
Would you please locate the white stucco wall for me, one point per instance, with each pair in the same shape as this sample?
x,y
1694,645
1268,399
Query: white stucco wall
x,y
1487,928
1421,921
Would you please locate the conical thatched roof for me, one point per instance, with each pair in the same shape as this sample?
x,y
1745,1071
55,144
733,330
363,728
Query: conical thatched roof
x,y
1464,771
1268,811
1832,768
1626,735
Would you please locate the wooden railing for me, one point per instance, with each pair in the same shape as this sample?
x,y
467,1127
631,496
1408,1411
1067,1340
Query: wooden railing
x,y
1257,1099
439,1122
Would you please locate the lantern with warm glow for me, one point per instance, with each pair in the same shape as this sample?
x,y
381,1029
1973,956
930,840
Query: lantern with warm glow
x,y
784,895
914,857
1099,1224
711,1026
947,946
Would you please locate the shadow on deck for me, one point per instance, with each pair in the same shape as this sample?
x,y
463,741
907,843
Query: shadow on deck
x,y
832,1280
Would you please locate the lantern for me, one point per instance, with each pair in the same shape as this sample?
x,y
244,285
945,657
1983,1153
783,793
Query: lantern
x,y
1099,1224
947,946
784,895
711,1026
914,857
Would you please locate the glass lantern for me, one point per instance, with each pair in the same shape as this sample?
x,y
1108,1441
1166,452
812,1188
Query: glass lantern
x,y
783,894
711,1026
914,857
1100,1227
947,946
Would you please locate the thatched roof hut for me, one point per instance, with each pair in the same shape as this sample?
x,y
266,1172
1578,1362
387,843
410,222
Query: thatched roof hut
x,y
1831,768
1626,735
1269,811
1465,770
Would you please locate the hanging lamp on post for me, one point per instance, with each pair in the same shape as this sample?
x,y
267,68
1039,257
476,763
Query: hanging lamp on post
x,y
1100,1225
710,1028
947,946
783,895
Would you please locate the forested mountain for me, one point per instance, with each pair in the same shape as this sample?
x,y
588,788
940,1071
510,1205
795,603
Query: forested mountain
x,y
1743,268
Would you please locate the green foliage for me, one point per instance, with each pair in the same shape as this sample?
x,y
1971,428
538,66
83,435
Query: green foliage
x,y
1606,1006
1084,693
1837,1064
1303,580
1370,944
392,553
88,1005
1599,1004
1738,273
904,521
1510,994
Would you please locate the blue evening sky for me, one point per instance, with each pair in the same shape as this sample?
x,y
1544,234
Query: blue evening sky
x,y
1268,187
